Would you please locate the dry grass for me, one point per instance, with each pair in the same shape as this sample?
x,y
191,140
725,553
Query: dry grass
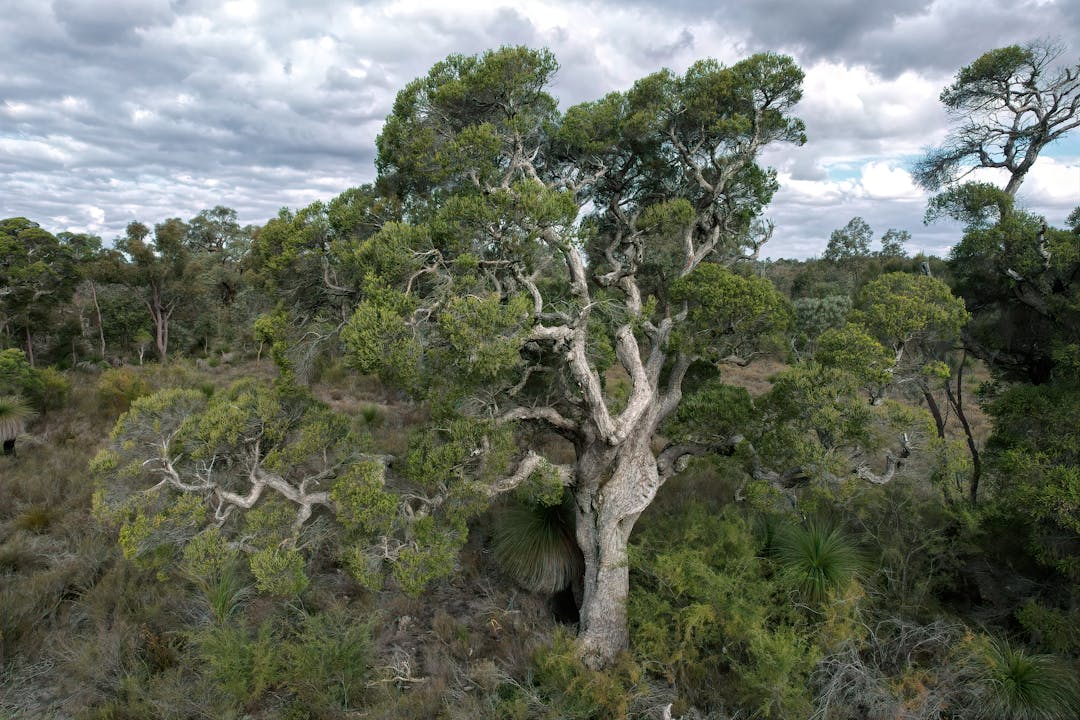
x,y
755,377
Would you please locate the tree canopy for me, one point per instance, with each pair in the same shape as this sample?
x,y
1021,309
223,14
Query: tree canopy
x,y
1010,103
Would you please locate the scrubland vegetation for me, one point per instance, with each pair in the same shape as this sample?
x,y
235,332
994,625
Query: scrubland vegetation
x,y
527,429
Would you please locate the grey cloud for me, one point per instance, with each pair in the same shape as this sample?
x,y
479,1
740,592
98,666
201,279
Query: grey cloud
x,y
664,53
511,27
890,36
150,109
97,23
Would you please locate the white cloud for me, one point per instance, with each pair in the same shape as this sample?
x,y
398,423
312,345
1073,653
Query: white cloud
x,y
881,181
1053,183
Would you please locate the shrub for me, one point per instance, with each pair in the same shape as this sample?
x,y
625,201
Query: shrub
x,y
328,663
572,690
279,572
243,667
117,388
55,389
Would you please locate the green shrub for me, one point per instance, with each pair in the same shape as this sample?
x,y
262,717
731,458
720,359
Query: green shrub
x,y
279,571
328,663
117,388
243,667
17,377
55,389
706,613
573,690
45,388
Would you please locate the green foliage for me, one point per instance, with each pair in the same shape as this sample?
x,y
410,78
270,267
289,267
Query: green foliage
x,y
117,388
17,375
1052,628
902,307
55,389
430,554
1017,684
327,664
729,313
852,242
272,330
535,545
892,243
485,334
38,274
976,204
379,341
363,504
813,316
817,558
985,76
243,667
706,614
853,350
279,571
1035,447
714,412
573,691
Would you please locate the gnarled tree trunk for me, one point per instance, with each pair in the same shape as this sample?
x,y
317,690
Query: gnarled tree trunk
x,y
606,513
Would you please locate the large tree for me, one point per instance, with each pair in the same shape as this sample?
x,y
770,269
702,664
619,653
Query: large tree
x,y
545,253
1009,104
550,283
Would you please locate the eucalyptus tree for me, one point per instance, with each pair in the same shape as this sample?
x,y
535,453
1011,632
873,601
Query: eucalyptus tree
x,y
158,272
37,276
544,252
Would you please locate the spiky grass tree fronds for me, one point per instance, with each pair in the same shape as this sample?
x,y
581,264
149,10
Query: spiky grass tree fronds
x,y
14,414
1019,685
535,545
818,558
225,591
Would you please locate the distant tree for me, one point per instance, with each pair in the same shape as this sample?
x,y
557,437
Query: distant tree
x,y
217,231
851,242
88,253
158,272
37,276
893,242
1009,104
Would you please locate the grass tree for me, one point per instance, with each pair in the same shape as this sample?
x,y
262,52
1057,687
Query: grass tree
x,y
14,414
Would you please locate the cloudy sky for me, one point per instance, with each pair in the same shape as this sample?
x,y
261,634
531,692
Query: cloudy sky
x,y
120,110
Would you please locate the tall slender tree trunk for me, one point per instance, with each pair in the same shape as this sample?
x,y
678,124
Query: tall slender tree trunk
x,y
160,317
29,346
97,314
931,403
957,401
